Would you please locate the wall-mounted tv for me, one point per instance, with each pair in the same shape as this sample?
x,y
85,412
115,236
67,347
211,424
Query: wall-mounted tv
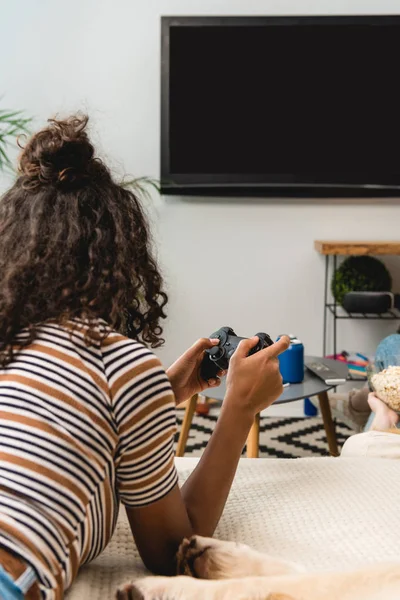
x,y
280,106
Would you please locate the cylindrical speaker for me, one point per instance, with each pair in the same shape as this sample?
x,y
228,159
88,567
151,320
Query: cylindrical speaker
x,y
368,302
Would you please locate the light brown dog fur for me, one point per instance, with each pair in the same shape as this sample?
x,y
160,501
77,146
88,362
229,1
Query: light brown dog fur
x,y
228,570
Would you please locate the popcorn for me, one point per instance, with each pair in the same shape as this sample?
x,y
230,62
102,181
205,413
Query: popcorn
x,y
386,385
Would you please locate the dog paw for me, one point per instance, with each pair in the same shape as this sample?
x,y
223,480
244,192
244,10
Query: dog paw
x,y
208,558
192,557
129,592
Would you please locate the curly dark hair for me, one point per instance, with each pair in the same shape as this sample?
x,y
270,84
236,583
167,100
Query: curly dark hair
x,y
74,244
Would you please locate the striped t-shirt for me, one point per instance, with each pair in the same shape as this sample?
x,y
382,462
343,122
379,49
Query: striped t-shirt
x,y
81,427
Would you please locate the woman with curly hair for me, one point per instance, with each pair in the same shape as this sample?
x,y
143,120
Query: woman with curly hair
x,y
87,413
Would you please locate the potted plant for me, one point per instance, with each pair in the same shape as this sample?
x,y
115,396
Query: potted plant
x,y
360,274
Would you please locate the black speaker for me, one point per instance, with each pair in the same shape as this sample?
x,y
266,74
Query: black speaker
x,y
370,302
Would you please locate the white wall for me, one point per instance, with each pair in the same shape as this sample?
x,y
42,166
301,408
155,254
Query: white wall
x,y
249,264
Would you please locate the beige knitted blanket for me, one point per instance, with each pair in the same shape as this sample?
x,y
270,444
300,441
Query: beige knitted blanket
x,y
326,513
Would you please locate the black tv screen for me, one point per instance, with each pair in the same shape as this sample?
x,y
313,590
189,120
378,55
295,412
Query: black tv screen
x,y
288,106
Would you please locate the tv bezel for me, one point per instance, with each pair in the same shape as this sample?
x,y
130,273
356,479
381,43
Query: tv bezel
x,y
291,185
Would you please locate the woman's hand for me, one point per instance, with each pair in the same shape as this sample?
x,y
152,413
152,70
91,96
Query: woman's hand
x,y
254,382
184,374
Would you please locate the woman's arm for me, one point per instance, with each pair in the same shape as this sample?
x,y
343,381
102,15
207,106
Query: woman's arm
x,y
158,529
206,490
254,382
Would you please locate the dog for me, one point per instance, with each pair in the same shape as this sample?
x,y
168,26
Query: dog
x,y
211,569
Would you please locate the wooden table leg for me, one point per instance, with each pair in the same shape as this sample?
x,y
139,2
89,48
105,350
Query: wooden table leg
x,y
253,441
329,425
187,422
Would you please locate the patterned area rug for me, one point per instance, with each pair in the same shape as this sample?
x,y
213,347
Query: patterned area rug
x,y
279,437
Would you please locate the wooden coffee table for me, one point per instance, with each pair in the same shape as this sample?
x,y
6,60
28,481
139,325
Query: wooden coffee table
x,y
311,386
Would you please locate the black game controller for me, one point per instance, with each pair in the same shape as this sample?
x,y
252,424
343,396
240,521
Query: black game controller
x,y
217,358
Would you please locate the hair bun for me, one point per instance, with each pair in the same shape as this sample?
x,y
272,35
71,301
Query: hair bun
x,y
60,154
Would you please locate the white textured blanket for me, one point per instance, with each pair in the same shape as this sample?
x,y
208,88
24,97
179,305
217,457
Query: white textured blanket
x,y
326,513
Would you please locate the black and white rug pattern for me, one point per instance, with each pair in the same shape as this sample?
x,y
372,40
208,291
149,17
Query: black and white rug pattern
x,y
279,437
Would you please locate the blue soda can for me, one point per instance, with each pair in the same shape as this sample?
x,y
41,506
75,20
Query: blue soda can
x,y
291,362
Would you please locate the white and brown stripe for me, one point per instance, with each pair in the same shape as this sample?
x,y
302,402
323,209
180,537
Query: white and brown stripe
x,y
81,428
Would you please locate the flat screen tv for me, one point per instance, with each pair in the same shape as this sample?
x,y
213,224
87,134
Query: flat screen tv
x,y
280,106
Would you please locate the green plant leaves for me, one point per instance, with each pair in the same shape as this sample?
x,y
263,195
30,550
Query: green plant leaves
x,y
360,274
142,184
12,124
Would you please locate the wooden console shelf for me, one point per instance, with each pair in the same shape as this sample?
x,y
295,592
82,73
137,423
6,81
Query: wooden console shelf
x,y
332,250
339,248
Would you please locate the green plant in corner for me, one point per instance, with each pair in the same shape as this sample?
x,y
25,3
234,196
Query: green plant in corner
x,y
12,124
142,185
360,274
